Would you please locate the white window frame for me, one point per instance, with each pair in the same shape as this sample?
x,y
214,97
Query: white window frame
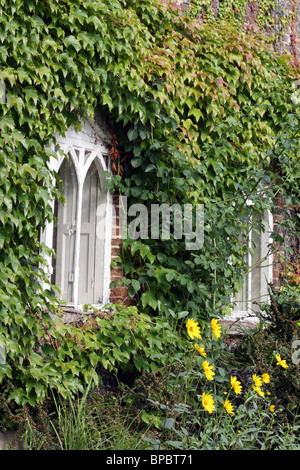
x,y
87,139
247,314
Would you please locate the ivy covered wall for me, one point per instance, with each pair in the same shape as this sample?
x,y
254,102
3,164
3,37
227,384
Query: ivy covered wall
x,y
279,19
201,113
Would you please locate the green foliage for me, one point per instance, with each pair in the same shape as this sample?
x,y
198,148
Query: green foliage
x,y
171,400
196,111
128,340
278,333
269,15
233,142
85,422
120,340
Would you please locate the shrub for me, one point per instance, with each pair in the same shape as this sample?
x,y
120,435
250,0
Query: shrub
x,y
198,403
278,334
196,114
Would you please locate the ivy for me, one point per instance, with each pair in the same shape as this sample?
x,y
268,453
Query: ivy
x,y
196,110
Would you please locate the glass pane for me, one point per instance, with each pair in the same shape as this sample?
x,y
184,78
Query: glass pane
x,y
255,288
65,232
87,153
91,247
256,270
241,300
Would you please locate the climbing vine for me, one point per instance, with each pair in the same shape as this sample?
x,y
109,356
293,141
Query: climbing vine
x,y
271,17
195,111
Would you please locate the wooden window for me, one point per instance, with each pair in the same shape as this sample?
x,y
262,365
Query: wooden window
x,y
259,260
81,236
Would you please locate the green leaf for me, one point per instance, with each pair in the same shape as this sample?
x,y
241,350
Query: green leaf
x,y
148,298
33,173
72,41
31,94
140,362
106,99
133,134
135,284
183,314
168,423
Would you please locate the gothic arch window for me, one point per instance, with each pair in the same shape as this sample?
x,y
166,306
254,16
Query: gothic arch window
x,y
81,235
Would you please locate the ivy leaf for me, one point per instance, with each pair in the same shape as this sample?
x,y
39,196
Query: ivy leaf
x,y
197,113
9,74
72,41
133,134
106,99
31,93
33,173
135,284
140,362
148,298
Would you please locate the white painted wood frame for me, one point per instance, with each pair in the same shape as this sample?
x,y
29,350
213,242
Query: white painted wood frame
x,y
266,271
84,147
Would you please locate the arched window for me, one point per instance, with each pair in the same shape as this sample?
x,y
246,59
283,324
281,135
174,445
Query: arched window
x,y
82,233
64,237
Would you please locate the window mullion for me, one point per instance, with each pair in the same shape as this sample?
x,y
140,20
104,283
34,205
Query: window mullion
x,y
77,242
249,293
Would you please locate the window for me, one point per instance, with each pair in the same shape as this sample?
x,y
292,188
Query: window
x,y
259,260
82,234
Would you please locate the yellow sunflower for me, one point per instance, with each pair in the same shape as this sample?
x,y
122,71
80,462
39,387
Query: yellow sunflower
x,y
272,408
258,391
236,385
228,407
281,362
257,380
200,350
193,329
216,328
266,378
208,370
208,402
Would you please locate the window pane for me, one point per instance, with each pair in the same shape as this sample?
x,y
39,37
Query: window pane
x,y
255,288
65,232
261,261
256,270
91,260
242,297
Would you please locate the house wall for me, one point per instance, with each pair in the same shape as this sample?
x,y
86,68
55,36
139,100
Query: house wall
x,y
288,38
118,293
288,42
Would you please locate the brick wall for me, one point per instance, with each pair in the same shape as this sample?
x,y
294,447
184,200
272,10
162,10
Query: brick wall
x,y
278,263
119,293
